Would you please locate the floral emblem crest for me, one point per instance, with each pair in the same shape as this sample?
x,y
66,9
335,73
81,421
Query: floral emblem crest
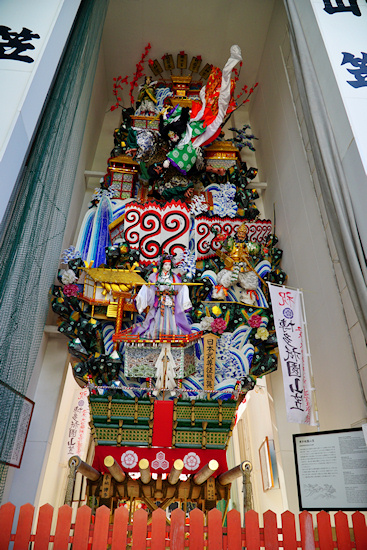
x,y
129,459
191,461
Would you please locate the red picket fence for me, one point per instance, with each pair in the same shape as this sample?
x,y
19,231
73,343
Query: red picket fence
x,y
158,535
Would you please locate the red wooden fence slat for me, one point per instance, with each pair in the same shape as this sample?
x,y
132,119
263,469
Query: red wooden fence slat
x,y
81,529
215,531
101,526
342,531
270,531
324,528
101,534
177,533
196,539
42,537
62,531
24,527
119,534
307,532
360,530
7,512
158,529
252,530
289,531
234,530
140,530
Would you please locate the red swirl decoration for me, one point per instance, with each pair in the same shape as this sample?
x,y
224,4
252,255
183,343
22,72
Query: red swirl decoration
x,y
150,223
216,245
252,232
178,223
207,244
153,228
132,236
203,230
259,231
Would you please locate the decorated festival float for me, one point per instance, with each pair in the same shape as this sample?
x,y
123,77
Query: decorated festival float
x,y
164,297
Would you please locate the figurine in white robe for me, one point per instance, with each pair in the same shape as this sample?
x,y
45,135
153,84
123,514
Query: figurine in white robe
x,y
167,303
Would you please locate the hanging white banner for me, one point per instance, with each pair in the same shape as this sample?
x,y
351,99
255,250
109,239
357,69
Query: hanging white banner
x,y
79,433
290,329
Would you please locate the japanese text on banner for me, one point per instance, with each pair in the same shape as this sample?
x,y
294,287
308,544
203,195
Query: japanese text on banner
x,y
289,326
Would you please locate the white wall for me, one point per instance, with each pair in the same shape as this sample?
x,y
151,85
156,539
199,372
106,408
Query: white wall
x,y
255,421
283,163
347,144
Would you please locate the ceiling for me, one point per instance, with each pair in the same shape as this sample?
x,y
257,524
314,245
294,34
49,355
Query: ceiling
x,y
199,27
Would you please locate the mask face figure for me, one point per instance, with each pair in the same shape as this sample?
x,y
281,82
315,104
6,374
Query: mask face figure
x,y
173,136
166,267
241,233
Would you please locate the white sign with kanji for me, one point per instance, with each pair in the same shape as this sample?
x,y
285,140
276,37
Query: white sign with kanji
x,y
343,27
290,331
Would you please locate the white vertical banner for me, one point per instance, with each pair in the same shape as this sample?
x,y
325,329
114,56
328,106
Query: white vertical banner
x,y
78,430
291,334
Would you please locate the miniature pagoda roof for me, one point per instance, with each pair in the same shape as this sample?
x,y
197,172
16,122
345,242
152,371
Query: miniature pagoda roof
x,y
117,276
222,147
122,159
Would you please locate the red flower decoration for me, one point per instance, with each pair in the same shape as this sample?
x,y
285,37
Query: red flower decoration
x,y
219,325
71,290
255,321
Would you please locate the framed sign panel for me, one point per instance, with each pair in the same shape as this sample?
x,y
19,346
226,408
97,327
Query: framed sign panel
x,y
15,418
331,470
269,471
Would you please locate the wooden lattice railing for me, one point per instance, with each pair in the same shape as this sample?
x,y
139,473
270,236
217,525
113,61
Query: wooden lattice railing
x,y
98,533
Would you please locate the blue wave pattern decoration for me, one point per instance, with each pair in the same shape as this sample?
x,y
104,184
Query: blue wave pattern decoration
x,y
85,233
100,235
233,360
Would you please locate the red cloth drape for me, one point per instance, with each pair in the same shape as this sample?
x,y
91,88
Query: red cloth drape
x,y
163,423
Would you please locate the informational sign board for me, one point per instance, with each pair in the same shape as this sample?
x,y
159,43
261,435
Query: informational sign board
x,y
210,346
331,470
15,418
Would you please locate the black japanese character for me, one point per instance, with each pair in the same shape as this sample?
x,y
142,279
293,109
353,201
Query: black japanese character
x,y
287,338
293,353
297,394
13,44
294,369
286,325
341,7
298,402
